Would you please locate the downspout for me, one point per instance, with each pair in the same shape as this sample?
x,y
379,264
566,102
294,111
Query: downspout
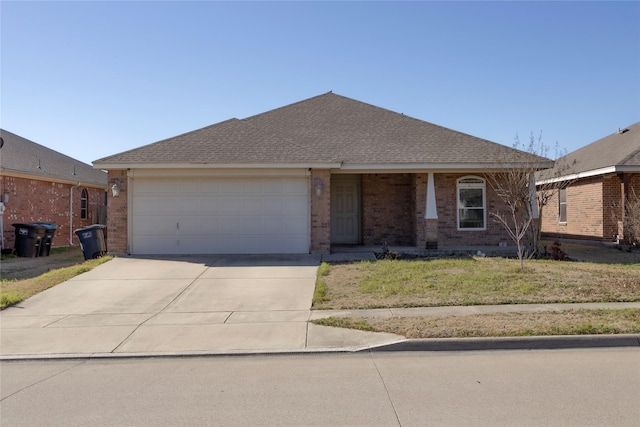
x,y
71,213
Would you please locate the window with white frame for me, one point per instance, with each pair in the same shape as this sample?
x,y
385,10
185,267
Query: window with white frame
x,y
562,204
84,204
471,192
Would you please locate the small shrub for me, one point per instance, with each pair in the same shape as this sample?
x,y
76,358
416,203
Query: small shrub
x,y
324,269
557,254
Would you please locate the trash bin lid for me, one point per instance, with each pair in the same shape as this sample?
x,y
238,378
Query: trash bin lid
x,y
32,226
92,227
46,225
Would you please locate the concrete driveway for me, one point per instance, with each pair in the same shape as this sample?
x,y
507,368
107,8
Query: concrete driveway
x,y
178,305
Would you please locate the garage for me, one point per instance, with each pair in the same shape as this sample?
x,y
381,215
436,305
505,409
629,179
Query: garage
x,y
219,215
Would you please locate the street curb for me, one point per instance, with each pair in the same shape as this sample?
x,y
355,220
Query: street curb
x,y
415,345
512,343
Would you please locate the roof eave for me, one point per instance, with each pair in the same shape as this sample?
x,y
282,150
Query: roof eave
x,y
590,173
115,166
24,175
347,167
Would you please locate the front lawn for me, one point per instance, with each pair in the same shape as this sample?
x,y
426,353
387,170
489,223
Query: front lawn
x,y
480,281
473,281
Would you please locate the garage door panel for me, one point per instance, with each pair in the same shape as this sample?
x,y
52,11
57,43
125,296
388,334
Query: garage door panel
x,y
231,205
293,206
220,215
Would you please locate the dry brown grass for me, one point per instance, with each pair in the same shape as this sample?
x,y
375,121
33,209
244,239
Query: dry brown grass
x,y
475,281
570,322
609,275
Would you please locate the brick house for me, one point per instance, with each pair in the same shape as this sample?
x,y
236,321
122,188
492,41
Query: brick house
x,y
601,177
38,184
307,177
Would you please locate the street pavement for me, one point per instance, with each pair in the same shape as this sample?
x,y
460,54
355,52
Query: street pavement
x,y
571,387
214,305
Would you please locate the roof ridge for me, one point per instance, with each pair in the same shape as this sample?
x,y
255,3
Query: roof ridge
x,y
288,105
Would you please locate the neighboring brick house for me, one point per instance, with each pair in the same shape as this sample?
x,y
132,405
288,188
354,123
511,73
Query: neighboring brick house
x,y
600,176
38,184
304,178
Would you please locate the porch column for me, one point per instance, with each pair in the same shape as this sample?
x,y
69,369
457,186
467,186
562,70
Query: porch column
x,y
534,197
431,214
426,219
430,210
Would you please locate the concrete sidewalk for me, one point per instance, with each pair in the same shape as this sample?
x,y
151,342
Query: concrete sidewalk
x,y
218,305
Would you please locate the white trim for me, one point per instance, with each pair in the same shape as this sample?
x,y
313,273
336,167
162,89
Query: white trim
x,y
431,210
200,166
335,166
533,196
438,167
216,173
589,173
482,186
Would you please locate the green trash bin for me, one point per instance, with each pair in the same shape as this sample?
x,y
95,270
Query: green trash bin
x,y
49,231
28,240
92,241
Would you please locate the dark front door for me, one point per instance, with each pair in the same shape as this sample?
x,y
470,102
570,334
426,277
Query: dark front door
x,y
345,209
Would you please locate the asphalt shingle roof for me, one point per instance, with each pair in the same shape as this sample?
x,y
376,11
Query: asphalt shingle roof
x,y
328,128
620,150
19,155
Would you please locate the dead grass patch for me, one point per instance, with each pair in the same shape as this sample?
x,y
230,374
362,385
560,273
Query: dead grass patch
x,y
568,322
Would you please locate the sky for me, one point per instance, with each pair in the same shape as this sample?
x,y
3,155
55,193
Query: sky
x,y
92,79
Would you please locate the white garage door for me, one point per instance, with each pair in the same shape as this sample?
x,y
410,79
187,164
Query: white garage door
x,y
220,215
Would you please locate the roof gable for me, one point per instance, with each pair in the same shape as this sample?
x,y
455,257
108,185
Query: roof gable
x,y
24,157
329,129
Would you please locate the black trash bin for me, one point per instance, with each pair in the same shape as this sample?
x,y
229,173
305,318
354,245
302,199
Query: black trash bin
x,y
28,240
92,241
49,231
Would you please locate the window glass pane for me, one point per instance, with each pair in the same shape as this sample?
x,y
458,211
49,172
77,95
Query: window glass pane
x,y
471,218
471,197
562,205
83,204
471,181
471,213
563,212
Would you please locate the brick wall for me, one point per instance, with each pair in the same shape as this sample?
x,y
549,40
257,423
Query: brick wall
x,y
117,215
423,230
320,211
593,210
32,200
388,209
448,234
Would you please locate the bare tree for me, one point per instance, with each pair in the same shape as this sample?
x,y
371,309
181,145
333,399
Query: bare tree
x,y
632,219
512,187
515,185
